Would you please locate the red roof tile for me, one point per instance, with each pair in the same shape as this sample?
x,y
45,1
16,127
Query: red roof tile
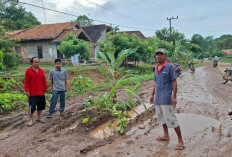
x,y
46,31
229,52
14,32
138,33
62,36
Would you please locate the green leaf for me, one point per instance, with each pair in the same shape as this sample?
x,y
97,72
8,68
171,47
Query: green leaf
x,y
112,59
103,57
85,121
136,96
111,124
122,55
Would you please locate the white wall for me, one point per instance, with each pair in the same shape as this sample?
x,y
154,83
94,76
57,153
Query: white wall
x,y
48,49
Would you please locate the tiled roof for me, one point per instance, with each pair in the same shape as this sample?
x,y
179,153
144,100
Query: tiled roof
x,y
229,52
95,31
62,36
138,33
14,32
46,31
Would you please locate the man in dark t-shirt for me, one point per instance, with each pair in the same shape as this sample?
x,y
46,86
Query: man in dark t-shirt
x,y
164,97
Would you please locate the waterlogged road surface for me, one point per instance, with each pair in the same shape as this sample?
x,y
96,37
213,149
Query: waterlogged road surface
x,y
203,104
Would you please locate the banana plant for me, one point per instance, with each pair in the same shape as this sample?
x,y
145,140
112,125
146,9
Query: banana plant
x,y
114,64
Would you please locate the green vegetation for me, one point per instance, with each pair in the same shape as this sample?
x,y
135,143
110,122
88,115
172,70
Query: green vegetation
x,y
14,17
82,84
118,77
85,121
227,59
83,20
12,81
72,46
12,102
8,58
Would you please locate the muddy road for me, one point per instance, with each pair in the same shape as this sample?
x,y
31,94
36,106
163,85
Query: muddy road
x,y
203,104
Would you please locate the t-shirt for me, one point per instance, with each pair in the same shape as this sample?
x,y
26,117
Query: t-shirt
x,y
35,82
58,76
164,79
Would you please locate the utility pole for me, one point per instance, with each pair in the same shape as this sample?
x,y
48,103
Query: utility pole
x,y
170,23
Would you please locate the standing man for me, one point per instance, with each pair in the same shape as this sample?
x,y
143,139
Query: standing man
x,y
35,86
164,90
58,81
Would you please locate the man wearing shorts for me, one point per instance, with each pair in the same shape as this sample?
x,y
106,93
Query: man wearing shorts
x,y
35,86
164,97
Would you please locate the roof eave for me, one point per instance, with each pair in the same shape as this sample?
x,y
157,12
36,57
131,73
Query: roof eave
x,y
35,39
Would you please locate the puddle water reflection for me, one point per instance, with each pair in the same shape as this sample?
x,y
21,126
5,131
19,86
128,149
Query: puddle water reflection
x,y
104,131
192,123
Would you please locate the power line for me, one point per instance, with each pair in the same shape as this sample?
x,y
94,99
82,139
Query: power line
x,y
77,16
132,2
153,7
145,9
44,12
142,22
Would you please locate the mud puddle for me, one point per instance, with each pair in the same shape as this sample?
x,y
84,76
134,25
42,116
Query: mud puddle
x,y
105,131
192,125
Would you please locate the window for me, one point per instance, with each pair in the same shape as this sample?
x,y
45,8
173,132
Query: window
x,y
40,51
18,50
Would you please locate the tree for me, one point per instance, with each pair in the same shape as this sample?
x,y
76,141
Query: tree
x,y
114,29
72,46
9,58
83,20
224,42
122,41
164,34
13,16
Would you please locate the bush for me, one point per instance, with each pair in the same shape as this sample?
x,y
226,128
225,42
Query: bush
x,y
11,102
82,84
2,67
11,60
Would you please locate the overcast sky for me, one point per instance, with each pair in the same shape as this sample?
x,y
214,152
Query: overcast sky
x,y
205,17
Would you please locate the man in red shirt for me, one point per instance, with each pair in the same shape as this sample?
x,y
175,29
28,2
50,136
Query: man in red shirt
x,y
35,86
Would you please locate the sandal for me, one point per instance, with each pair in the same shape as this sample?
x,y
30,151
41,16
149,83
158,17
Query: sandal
x,y
178,147
29,124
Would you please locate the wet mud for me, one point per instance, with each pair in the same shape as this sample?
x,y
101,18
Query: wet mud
x,y
203,104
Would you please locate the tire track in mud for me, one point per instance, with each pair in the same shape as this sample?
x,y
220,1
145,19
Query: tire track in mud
x,y
201,93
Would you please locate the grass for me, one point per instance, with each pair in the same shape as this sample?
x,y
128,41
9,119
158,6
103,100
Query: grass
x,y
142,73
227,60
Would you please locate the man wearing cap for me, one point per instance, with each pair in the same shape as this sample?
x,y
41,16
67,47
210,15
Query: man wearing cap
x,y
164,97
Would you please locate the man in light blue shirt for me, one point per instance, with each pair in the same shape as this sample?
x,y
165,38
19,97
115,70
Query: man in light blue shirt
x,y
58,82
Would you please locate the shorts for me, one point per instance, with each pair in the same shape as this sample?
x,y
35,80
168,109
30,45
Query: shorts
x,y
165,115
36,103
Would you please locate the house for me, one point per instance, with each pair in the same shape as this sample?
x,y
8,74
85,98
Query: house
x,y
138,33
227,52
97,34
42,40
